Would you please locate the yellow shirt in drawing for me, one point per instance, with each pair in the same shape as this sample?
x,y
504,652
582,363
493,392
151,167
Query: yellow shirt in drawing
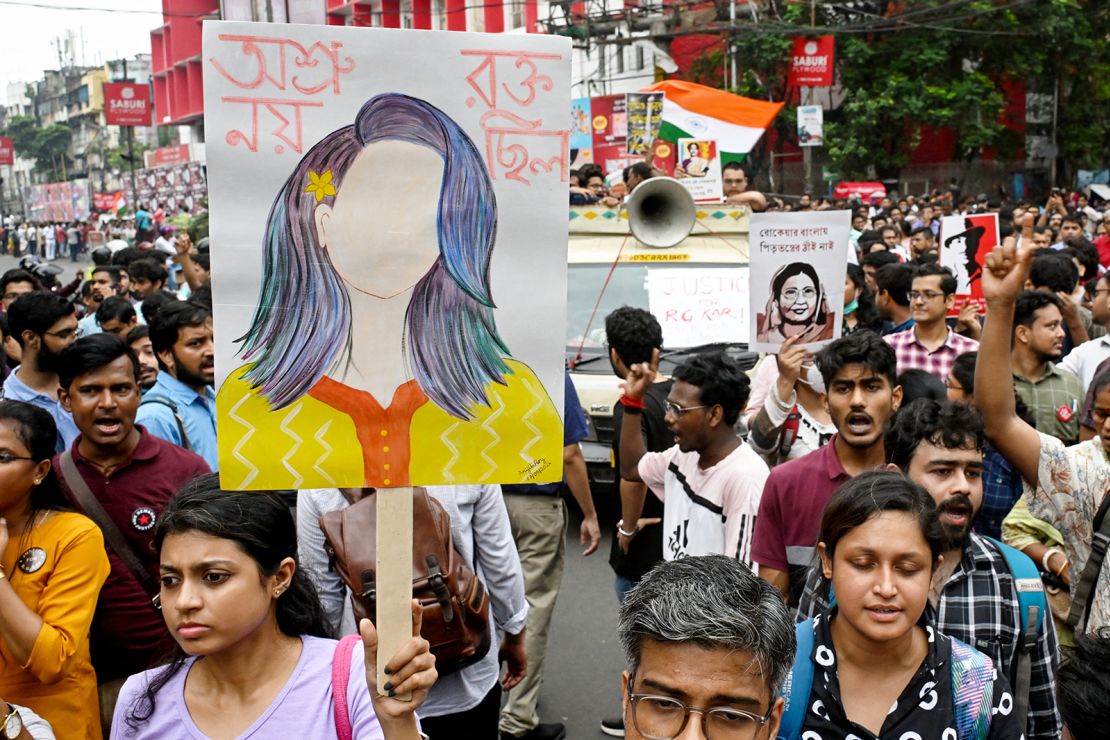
x,y
341,436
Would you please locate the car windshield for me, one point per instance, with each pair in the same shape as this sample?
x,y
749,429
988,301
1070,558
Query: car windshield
x,y
628,286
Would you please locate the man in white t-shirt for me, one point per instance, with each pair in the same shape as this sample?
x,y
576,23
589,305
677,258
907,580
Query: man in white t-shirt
x,y
710,481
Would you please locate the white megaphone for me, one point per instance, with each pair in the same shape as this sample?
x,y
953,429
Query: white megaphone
x,y
661,212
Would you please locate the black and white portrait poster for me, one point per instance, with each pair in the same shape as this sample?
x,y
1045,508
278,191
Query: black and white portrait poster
x,y
965,241
798,266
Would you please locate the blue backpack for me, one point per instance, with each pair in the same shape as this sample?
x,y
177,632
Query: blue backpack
x,y
971,695
972,689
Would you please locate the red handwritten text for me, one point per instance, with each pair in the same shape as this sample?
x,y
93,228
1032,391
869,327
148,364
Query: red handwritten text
x,y
518,146
283,66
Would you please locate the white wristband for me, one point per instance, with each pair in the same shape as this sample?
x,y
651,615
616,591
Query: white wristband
x,y
620,530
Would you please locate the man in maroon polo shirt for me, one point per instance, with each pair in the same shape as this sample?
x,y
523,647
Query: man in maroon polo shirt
x,y
859,371
133,475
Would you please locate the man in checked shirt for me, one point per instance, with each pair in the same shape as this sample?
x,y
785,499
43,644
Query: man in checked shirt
x,y
974,595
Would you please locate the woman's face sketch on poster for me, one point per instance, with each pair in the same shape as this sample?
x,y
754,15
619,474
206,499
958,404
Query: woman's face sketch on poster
x,y
796,306
440,213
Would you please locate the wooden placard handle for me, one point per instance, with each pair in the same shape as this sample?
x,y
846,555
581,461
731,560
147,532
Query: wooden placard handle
x,y
394,576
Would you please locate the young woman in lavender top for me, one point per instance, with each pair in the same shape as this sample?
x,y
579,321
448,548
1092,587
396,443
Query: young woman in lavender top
x,y
255,658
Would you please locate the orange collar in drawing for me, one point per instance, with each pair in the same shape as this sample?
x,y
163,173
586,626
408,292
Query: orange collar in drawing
x,y
383,433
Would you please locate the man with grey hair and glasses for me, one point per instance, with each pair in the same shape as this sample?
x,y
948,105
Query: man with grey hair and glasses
x,y
709,646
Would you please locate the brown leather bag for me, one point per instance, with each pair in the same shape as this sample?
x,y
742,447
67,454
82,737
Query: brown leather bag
x,y
455,603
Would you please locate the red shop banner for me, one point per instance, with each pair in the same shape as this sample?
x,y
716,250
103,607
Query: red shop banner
x,y
108,202
126,104
866,191
7,151
167,155
811,61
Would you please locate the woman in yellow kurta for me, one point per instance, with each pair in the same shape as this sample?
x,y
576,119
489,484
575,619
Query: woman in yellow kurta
x,y
53,564
373,357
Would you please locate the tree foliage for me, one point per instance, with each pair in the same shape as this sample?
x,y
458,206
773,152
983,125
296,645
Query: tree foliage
x,y
945,65
48,146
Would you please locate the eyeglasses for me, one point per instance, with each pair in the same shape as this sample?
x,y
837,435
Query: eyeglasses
x,y
665,718
1097,291
791,295
949,383
925,295
1099,416
64,334
675,410
7,458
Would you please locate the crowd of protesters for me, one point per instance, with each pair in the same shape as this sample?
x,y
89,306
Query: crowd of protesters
x,y
895,536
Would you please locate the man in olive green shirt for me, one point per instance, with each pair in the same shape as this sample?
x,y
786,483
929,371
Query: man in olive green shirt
x,y
1054,395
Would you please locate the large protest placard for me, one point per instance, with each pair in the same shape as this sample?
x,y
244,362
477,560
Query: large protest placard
x,y
965,242
645,115
798,265
388,221
700,306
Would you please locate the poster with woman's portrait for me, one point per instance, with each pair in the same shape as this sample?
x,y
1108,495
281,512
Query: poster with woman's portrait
x,y
388,228
799,262
698,169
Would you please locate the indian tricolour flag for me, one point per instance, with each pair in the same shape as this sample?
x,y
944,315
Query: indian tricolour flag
x,y
692,111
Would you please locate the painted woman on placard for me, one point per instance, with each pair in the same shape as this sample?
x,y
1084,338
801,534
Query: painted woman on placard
x,y
796,307
375,320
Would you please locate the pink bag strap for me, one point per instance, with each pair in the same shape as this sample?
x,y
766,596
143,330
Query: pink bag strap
x,y
340,676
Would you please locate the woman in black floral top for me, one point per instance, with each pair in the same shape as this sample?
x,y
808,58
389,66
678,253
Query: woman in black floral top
x,y
881,670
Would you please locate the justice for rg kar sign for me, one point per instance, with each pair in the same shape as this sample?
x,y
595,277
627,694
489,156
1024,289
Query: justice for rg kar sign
x,y
126,104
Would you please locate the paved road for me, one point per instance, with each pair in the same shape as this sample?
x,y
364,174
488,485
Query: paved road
x,y
69,269
584,659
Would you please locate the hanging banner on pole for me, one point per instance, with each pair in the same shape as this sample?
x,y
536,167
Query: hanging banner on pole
x,y
811,125
965,242
127,104
581,132
7,151
811,61
380,219
798,264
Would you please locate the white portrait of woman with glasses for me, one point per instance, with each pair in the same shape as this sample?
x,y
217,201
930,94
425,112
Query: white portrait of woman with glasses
x,y
796,307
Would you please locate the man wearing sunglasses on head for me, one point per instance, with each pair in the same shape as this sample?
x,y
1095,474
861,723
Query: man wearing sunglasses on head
x,y
710,481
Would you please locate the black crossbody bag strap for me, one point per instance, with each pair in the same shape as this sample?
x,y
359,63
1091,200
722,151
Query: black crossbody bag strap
x,y
1081,600
92,509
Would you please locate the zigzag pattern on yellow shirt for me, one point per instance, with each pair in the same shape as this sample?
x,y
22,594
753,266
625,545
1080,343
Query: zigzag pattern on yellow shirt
x,y
517,438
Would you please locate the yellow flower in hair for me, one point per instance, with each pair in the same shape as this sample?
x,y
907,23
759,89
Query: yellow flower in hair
x,y
320,185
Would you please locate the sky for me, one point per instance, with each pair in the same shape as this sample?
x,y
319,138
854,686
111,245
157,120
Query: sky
x,y
101,34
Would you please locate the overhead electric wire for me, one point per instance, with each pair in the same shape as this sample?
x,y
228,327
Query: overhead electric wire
x,y
877,24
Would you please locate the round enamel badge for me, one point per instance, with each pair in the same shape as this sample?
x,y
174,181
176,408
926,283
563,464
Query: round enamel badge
x,y
143,519
32,559
1064,413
